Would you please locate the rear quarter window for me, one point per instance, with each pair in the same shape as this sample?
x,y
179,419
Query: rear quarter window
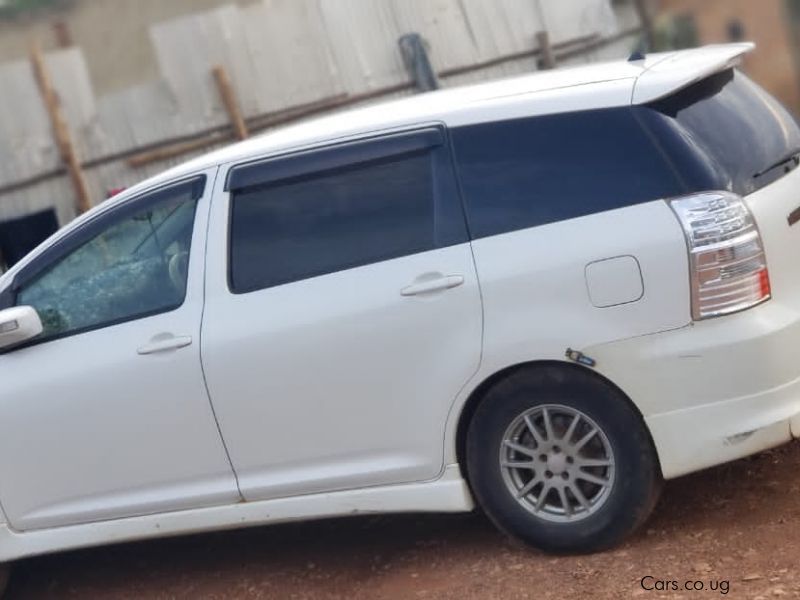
x,y
528,172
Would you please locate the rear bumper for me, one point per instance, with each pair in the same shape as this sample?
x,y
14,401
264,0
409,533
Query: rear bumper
x,y
714,391
692,439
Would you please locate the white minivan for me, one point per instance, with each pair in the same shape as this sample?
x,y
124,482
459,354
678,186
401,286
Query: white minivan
x,y
543,296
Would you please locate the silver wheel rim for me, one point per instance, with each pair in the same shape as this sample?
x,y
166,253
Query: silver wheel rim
x,y
557,463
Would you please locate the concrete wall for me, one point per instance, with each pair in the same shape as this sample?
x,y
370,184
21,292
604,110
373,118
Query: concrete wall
x,y
113,34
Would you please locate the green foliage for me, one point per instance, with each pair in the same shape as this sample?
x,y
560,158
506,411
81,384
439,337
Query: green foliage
x,y
10,8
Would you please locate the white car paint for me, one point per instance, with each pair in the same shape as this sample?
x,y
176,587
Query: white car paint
x,y
668,72
19,324
739,386
542,307
449,493
614,281
102,404
525,297
367,409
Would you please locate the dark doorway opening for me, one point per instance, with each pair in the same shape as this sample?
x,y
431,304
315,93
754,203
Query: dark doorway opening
x,y
20,236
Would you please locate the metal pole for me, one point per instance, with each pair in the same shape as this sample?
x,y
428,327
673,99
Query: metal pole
x,y
548,57
646,19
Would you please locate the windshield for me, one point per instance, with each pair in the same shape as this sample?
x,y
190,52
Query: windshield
x,y
743,137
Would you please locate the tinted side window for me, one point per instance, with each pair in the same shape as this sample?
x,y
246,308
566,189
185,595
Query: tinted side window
x,y
134,266
339,218
528,172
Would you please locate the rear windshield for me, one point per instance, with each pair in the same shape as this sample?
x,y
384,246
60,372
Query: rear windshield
x,y
739,137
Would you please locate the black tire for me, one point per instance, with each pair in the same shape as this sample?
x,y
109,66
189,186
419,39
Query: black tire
x,y
626,503
5,573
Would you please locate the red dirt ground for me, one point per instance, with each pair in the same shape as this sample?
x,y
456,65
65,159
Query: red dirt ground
x,y
738,524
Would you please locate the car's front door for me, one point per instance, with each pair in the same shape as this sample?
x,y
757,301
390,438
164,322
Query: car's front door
x,y
106,414
342,316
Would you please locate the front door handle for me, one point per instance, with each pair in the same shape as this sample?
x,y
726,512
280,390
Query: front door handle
x,y
165,345
433,285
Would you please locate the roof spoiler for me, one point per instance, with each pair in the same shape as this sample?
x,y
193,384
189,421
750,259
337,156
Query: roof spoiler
x,y
675,71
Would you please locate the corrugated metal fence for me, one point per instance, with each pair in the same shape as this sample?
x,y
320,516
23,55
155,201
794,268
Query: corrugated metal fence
x,y
283,57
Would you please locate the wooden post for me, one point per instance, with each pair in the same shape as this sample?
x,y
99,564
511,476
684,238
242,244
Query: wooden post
x,y
60,130
548,57
231,103
173,150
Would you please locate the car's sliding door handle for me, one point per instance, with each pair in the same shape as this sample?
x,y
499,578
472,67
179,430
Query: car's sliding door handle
x,y
165,345
433,285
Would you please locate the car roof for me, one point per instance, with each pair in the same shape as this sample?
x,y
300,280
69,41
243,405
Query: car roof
x,y
449,106
562,90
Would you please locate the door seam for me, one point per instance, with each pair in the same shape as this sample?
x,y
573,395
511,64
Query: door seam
x,y
202,328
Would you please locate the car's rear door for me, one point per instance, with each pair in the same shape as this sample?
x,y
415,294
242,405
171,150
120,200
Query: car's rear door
x,y
106,415
342,314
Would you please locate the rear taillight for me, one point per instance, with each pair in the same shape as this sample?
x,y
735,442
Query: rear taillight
x,y
726,257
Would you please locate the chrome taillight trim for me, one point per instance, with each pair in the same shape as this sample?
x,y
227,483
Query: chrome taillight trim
x,y
716,248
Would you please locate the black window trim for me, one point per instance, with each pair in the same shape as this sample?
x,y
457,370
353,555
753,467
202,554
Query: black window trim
x,y
84,234
337,154
372,147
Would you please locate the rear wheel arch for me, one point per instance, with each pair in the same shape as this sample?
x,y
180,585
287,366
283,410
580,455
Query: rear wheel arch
x,y
557,369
